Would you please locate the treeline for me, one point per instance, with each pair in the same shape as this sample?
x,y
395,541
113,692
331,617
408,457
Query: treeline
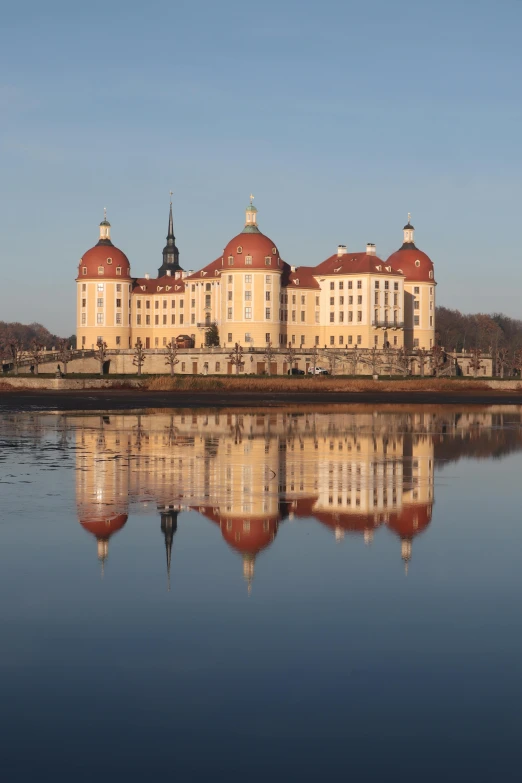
x,y
487,333
27,335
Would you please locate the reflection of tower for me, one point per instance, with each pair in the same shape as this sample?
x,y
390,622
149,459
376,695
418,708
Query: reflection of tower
x,y
103,527
169,525
407,524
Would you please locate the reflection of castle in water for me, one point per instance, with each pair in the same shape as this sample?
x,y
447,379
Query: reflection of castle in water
x,y
353,472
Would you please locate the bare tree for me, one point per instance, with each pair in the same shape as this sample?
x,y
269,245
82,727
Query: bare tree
x,y
36,352
422,357
332,357
64,354
353,355
236,357
502,360
13,351
516,361
436,360
139,355
269,357
315,356
475,361
290,354
372,359
171,356
101,353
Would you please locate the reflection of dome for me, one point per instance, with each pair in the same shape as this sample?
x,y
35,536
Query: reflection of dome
x,y
410,520
249,535
103,528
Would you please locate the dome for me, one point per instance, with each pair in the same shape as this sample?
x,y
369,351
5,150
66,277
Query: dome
x,y
410,521
106,256
104,527
251,251
405,261
249,535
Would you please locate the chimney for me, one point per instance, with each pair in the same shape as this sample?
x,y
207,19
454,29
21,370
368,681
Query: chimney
x,y
341,250
370,249
147,276
292,268
169,272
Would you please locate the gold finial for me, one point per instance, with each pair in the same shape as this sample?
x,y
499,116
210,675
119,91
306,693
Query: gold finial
x,y
251,198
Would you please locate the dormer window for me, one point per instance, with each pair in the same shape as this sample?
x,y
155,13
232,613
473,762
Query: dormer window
x,y
118,270
379,268
431,274
248,260
274,251
84,270
268,261
168,288
296,281
109,260
231,260
100,270
417,263
239,249
388,269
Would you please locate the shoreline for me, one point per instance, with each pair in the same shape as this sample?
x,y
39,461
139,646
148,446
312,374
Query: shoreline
x,y
20,400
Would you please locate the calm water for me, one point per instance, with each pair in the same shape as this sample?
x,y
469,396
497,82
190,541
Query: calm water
x,y
266,596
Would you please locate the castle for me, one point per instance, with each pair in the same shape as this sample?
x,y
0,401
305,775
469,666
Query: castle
x,y
255,298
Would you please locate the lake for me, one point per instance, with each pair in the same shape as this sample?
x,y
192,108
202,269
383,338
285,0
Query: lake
x,y
266,595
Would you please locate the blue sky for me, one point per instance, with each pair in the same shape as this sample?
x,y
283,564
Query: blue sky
x,y
339,117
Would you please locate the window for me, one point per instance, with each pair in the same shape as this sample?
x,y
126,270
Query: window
x,y
386,299
156,305
416,320
248,312
164,320
302,316
230,337
207,300
332,286
317,339
173,319
376,316
359,284
147,304
293,316
231,260
359,300
248,278
118,302
109,261
350,316
84,302
395,286
84,270
395,339
332,340
332,317
332,301
396,299
350,300
229,313
181,318
359,339
267,296
138,304
431,320
431,290
84,287
416,342
317,301
267,337
192,302
239,249
147,320
431,305
181,302
99,303
359,316
341,300
376,284
416,304
417,263
341,340
386,285
350,285
267,312
138,320
303,300
416,290
248,295
118,318
268,261
164,341
268,279
99,318
164,304
248,260
193,318
431,274
248,338
317,317
84,319
183,365
218,366
376,297
156,320
376,340
350,339
341,285
118,270
100,286
341,317
100,270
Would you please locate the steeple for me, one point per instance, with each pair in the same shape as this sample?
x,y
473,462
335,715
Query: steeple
x,y
409,233
170,251
169,525
251,219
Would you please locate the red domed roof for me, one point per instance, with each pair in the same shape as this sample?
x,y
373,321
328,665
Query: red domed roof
x,y
405,261
106,256
410,520
104,527
251,535
257,246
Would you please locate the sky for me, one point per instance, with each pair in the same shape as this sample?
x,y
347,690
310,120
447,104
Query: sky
x,y
340,118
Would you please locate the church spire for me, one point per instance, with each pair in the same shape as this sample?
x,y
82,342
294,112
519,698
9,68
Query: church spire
x,y
169,525
170,251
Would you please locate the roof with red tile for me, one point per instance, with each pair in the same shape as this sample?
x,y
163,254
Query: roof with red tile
x,y
354,264
104,256
413,263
